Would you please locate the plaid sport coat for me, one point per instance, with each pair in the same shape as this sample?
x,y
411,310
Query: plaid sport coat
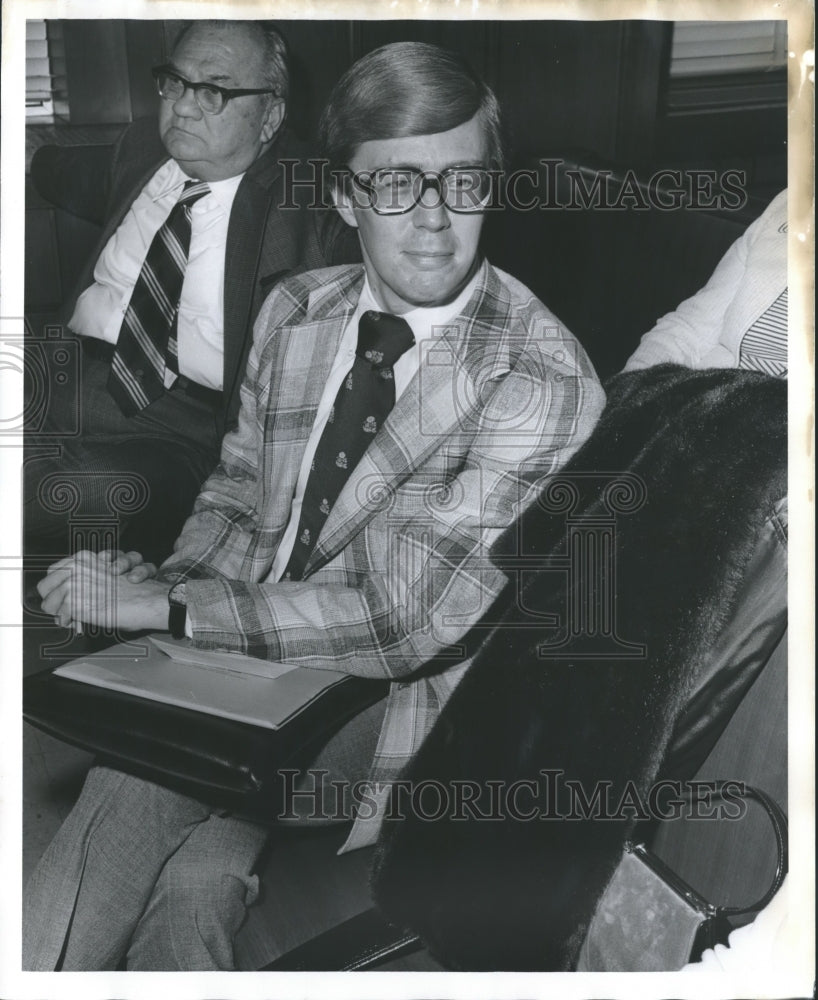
x,y
503,396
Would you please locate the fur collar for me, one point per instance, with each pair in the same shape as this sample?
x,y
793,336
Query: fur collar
x,y
701,459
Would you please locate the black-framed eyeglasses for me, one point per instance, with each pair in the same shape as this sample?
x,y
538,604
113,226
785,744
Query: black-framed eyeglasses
x,y
393,191
211,98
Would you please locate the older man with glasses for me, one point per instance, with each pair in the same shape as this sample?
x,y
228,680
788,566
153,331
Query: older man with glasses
x,y
396,419
195,239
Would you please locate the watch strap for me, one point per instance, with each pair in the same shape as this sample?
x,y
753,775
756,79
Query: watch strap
x,y
177,610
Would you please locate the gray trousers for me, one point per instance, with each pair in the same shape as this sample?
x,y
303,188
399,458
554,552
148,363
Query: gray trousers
x,y
142,877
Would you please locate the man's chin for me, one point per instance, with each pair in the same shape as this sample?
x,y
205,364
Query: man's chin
x,y
437,286
181,145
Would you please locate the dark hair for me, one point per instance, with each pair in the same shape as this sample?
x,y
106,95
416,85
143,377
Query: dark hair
x,y
276,57
406,89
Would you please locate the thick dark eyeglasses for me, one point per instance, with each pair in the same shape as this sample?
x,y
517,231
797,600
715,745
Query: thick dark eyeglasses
x,y
209,96
393,191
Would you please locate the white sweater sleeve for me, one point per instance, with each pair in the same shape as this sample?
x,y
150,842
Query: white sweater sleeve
x,y
760,946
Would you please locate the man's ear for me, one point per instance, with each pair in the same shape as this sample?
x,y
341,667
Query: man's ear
x,y
273,119
343,202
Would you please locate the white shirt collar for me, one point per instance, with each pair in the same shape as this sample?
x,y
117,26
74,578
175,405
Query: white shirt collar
x,y
173,179
424,320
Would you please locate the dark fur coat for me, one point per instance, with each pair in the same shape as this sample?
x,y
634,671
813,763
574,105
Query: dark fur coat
x,y
704,458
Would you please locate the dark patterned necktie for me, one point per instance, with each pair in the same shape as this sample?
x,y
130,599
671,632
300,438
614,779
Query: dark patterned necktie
x,y
364,401
147,340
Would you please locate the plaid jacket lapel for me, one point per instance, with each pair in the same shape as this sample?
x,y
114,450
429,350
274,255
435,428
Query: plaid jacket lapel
x,y
434,406
304,352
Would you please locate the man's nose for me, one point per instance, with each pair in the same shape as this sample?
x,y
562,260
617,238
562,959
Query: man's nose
x,y
431,212
186,105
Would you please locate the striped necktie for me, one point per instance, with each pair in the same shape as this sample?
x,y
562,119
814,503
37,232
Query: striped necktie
x,y
145,361
363,402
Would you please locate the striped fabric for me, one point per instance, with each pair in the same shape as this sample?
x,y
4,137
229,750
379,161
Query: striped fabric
x,y
764,346
145,362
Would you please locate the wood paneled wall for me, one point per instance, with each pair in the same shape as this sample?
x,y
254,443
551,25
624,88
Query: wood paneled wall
x,y
592,85
562,83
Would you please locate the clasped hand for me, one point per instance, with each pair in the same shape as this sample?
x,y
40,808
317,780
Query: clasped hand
x,y
112,589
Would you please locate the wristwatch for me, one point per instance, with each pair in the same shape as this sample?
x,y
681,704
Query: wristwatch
x,y
177,610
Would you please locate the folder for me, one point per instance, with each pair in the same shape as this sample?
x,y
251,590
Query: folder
x,y
215,725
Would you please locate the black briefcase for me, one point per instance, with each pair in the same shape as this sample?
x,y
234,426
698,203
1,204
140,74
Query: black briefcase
x,y
222,761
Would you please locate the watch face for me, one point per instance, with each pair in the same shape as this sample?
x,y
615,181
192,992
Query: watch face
x,y
176,595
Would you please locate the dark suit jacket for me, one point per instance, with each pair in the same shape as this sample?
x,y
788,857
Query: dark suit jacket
x,y
264,242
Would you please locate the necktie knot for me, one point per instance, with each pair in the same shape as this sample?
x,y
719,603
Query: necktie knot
x,y
383,338
192,192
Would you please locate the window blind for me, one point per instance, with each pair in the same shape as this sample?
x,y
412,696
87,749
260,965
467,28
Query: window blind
x,y
702,48
45,71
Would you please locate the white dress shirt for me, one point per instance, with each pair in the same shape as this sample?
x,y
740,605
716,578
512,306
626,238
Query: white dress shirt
x,y
425,324
101,307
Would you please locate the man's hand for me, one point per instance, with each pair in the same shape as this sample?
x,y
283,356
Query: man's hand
x,y
97,588
130,564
